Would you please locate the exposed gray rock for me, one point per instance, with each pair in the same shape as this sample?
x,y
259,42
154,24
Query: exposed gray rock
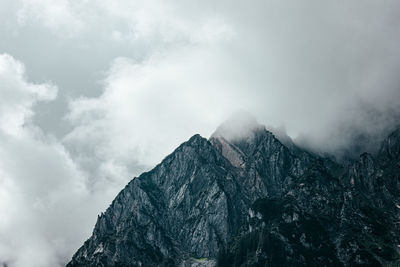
x,y
211,198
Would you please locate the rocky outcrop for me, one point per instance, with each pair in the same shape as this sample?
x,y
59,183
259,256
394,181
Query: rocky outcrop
x,y
245,199
330,216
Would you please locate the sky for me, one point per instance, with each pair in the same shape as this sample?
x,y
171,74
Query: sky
x,y
94,92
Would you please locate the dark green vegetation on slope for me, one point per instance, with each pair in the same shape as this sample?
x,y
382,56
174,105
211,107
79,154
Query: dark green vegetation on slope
x,y
253,201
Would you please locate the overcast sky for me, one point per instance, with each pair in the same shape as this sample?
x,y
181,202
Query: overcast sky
x,y
93,92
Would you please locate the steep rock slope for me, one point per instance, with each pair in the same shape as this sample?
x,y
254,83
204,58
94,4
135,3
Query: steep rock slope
x,y
182,208
330,216
242,198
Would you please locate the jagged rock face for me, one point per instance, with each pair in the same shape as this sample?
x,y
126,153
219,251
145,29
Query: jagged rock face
x,y
330,216
266,166
182,208
198,206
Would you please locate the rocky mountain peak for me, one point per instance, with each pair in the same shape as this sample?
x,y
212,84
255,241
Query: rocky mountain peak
x,y
194,209
196,139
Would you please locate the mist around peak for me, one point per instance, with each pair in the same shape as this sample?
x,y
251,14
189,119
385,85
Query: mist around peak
x,y
239,125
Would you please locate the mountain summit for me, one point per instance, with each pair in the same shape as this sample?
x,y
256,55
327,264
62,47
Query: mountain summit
x,y
242,198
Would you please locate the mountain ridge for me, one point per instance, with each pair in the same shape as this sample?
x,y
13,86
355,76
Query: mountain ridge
x,y
193,209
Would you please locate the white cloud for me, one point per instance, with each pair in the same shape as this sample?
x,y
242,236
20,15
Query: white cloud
x,y
143,20
44,200
17,96
270,59
57,15
147,109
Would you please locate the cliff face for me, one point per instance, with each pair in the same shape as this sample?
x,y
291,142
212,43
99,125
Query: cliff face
x,y
248,200
331,215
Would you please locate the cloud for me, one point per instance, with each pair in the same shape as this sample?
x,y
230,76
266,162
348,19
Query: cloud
x,y
58,16
169,22
327,72
44,199
147,109
317,79
18,96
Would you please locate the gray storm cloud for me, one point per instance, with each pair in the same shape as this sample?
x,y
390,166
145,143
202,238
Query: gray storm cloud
x,y
134,79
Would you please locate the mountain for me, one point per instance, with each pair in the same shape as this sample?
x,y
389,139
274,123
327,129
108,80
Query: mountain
x,y
244,198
